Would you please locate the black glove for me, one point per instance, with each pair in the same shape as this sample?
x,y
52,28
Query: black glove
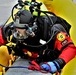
x,y
19,51
48,54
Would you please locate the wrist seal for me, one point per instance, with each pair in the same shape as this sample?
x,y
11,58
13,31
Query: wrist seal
x,y
61,63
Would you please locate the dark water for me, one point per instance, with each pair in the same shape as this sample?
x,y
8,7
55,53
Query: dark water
x,y
5,9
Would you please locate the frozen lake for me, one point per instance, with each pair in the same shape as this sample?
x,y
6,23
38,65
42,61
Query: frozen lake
x,y
5,9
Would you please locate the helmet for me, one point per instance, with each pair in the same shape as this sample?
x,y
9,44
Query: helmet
x,y
22,22
22,19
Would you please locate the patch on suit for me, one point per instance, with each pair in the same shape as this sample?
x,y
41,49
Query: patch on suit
x,y
64,42
61,37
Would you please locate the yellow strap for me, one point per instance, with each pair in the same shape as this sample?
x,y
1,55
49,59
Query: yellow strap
x,y
0,73
10,62
3,70
29,53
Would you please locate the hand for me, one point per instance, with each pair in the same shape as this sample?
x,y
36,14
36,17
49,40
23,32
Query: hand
x,y
50,66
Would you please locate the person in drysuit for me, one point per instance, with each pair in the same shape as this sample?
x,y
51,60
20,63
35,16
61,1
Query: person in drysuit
x,y
38,38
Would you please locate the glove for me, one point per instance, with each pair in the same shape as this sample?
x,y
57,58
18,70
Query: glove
x,y
50,66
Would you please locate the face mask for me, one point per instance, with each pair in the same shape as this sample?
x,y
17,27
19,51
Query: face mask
x,y
20,34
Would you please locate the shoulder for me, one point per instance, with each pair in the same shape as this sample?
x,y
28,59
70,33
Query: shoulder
x,y
2,41
58,27
6,30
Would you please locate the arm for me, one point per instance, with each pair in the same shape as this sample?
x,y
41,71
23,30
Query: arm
x,y
2,41
65,45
